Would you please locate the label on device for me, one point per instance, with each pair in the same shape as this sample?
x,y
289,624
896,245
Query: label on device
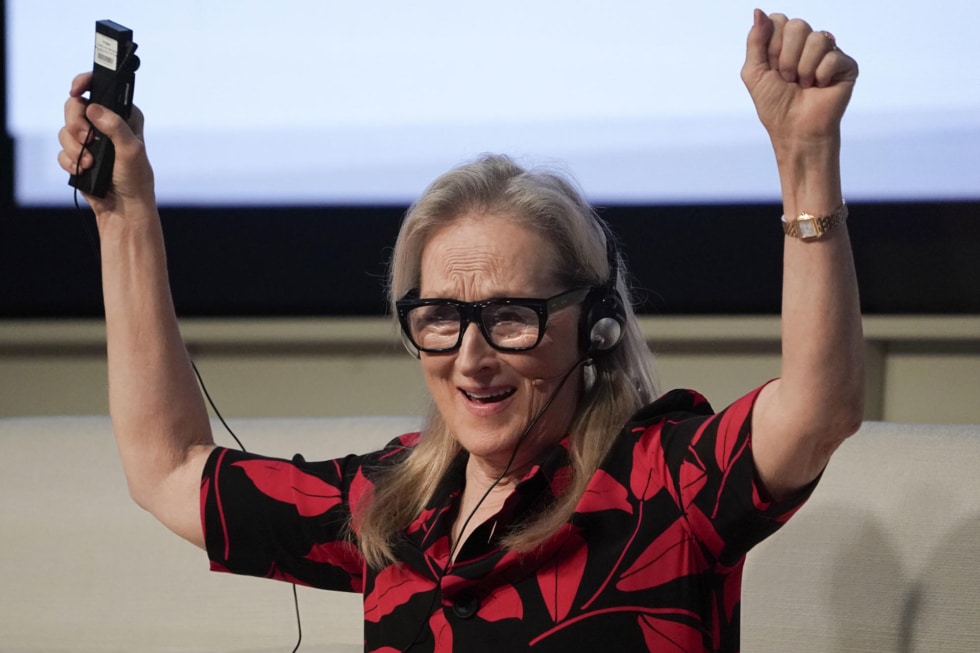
x,y
106,51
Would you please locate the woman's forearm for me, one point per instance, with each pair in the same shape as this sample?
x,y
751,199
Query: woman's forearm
x,y
157,410
822,341
801,83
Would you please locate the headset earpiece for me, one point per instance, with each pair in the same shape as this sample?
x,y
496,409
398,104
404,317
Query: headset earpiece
x,y
603,314
603,320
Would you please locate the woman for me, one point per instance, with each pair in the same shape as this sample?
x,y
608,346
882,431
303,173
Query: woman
x,y
547,503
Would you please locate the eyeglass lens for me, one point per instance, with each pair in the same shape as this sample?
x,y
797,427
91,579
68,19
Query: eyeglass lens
x,y
510,326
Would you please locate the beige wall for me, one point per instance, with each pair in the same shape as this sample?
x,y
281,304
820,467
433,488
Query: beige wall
x,y
920,369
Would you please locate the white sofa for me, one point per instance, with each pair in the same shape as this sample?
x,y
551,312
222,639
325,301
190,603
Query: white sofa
x,y
885,557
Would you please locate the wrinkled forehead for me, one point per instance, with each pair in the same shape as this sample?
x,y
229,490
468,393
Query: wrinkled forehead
x,y
482,256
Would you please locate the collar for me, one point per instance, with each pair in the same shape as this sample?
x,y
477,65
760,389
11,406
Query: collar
x,y
425,544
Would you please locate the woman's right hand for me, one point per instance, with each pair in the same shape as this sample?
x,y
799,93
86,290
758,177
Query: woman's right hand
x,y
158,414
132,176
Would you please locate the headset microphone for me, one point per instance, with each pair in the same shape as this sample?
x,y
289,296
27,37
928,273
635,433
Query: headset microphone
x,y
517,445
513,456
551,399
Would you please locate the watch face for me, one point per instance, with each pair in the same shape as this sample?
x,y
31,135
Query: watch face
x,y
808,228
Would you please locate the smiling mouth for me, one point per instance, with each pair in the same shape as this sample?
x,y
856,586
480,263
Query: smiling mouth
x,y
488,398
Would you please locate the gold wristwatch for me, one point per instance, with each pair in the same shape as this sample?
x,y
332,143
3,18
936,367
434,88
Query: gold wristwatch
x,y
811,227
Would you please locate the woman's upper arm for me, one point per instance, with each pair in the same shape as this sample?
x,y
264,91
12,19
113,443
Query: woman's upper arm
x,y
177,501
789,450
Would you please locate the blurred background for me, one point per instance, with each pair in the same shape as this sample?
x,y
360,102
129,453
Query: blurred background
x,y
288,138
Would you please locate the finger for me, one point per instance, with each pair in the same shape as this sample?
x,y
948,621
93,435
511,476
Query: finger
x,y
81,84
834,68
795,35
76,157
776,40
818,46
75,120
757,47
131,171
76,130
75,106
112,125
72,164
136,122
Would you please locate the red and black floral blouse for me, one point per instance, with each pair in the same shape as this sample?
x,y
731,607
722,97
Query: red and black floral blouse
x,y
651,560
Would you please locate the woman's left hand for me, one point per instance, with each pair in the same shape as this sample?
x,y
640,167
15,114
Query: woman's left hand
x,y
801,84
799,80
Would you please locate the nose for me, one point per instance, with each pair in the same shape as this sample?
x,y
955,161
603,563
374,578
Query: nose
x,y
475,353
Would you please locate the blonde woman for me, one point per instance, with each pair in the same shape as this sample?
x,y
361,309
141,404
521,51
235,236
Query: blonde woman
x,y
554,500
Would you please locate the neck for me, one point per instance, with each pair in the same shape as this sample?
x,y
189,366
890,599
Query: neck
x,y
483,497
482,475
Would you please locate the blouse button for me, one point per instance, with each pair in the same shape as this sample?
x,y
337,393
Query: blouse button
x,y
466,605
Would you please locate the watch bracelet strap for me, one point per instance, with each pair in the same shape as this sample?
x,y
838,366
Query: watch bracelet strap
x,y
823,224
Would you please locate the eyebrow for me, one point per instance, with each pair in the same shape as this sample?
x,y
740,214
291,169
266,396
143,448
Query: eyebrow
x,y
483,298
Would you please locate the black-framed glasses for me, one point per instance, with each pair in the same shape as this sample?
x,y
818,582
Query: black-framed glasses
x,y
508,323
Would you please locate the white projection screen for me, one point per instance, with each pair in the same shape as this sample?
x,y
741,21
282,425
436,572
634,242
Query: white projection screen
x,y
315,102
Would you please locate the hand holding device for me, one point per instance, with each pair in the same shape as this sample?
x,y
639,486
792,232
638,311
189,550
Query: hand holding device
x,y
113,78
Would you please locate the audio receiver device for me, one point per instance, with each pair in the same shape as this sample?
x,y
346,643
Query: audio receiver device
x,y
113,77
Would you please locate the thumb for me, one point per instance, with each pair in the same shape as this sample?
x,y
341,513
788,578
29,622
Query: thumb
x,y
132,175
757,47
110,124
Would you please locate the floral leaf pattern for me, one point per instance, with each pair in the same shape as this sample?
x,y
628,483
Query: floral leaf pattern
x,y
341,554
283,482
441,631
693,478
559,578
393,587
727,444
605,493
658,564
502,603
646,478
360,489
666,636
651,560
276,573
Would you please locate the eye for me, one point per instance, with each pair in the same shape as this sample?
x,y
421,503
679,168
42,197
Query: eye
x,y
509,315
435,317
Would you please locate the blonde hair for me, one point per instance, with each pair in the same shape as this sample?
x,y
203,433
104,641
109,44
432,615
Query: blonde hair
x,y
623,380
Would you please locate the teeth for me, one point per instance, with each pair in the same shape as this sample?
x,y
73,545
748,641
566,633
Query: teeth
x,y
488,398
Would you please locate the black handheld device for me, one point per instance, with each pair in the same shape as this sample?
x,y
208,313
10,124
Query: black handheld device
x,y
113,77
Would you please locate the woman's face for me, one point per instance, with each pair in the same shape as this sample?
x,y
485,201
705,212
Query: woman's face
x,y
488,397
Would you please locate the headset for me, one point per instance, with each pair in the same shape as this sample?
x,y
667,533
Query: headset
x,y
603,311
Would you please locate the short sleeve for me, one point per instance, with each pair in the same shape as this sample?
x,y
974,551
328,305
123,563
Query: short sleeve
x,y
709,460
287,519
